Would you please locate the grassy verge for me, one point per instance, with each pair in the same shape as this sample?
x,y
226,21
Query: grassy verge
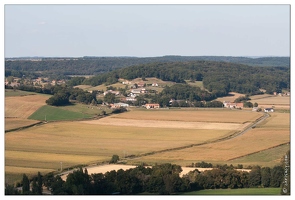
x,y
243,191
50,113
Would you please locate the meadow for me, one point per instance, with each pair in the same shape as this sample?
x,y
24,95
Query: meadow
x,y
50,113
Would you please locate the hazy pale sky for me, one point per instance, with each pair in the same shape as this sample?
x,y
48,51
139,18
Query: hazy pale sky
x,y
146,30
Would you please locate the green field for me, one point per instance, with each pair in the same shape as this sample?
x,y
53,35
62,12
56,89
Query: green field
x,y
266,158
50,113
243,191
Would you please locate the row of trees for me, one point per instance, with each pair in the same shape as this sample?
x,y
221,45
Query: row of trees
x,y
159,179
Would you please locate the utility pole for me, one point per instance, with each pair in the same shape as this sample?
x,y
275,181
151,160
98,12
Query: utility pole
x,y
60,166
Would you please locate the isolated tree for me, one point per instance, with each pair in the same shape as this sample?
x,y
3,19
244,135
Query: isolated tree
x,y
115,159
255,104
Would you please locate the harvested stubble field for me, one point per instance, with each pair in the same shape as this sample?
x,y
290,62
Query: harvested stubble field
x,y
23,106
85,142
112,121
267,101
77,143
19,108
13,123
192,115
263,137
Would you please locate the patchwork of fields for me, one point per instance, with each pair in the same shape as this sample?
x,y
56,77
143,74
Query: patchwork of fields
x,y
43,148
275,131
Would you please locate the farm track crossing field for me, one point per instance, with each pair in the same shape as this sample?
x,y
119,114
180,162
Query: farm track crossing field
x,y
256,140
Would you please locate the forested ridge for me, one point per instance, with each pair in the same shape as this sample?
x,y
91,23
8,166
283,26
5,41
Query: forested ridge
x,y
96,65
218,77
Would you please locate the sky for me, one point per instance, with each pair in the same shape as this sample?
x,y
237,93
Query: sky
x,y
146,30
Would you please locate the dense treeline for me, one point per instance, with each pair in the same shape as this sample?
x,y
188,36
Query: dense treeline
x,y
159,179
54,67
218,78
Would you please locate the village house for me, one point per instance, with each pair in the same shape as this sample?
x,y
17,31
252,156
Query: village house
x,y
155,85
111,91
138,91
141,84
152,106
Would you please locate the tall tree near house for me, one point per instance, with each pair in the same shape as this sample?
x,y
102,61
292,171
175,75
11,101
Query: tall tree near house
x,y
26,184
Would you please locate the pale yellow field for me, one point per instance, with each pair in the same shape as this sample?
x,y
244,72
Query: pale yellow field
x,y
276,121
77,143
276,101
23,106
192,115
274,132
253,141
112,121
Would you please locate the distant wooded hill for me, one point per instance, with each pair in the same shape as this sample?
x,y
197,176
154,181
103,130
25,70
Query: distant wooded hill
x,y
60,67
218,77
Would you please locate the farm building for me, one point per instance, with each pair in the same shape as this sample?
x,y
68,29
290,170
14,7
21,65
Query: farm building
x,y
155,85
151,106
132,99
228,104
268,110
119,105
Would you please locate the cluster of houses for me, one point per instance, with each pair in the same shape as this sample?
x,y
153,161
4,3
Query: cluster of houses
x,y
282,94
37,82
232,105
125,105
